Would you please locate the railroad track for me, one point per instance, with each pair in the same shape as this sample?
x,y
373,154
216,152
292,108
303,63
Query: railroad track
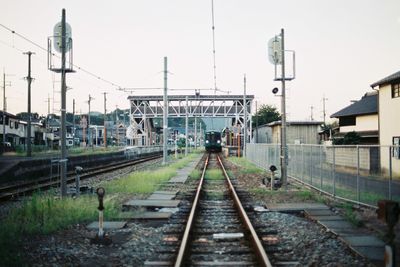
x,y
218,231
27,187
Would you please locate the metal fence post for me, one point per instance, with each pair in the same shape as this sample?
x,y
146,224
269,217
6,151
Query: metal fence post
x,y
320,164
390,172
333,171
302,162
312,163
358,173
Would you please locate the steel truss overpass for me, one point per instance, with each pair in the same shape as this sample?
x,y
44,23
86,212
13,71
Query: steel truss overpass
x,y
145,108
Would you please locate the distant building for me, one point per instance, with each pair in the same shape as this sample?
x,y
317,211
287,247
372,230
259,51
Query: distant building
x,y
262,134
360,117
389,122
298,132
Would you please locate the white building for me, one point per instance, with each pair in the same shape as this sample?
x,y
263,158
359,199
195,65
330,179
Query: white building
x,y
389,122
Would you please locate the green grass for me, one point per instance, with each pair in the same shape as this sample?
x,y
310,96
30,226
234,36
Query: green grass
x,y
247,166
140,182
214,174
263,192
350,215
195,174
43,214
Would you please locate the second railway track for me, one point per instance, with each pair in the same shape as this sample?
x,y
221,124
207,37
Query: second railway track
x,y
26,187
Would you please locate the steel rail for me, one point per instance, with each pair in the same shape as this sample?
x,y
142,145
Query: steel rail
x,y
185,239
7,192
262,256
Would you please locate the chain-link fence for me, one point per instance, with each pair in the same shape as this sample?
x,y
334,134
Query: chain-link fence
x,y
362,174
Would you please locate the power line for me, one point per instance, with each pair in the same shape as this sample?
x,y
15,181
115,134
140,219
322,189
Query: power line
x,y
45,50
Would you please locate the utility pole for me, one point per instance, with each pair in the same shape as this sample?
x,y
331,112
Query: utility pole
x,y
323,107
29,79
89,130
4,108
47,117
245,117
165,113
116,124
283,108
73,122
195,133
186,127
312,114
105,117
256,123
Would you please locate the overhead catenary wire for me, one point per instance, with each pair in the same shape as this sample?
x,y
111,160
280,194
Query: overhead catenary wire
x,y
45,50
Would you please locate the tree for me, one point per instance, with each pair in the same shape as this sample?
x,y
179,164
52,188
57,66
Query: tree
x,y
266,114
351,138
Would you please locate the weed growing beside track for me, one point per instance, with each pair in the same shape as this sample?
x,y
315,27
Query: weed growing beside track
x,y
43,213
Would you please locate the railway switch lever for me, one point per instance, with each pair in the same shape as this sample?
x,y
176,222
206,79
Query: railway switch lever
x,y
389,211
272,168
101,237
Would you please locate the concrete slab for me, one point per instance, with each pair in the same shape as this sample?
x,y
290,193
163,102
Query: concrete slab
x,y
372,253
282,207
155,196
146,215
364,241
158,263
106,225
319,212
327,218
152,203
166,192
340,224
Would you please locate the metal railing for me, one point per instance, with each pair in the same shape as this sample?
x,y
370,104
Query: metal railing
x,y
357,173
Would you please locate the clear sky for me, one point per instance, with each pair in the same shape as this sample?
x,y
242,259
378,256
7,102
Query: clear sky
x,y
341,46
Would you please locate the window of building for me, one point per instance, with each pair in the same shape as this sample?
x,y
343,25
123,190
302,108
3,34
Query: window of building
x,y
396,148
395,90
347,121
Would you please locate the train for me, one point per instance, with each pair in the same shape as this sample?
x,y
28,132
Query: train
x,y
213,142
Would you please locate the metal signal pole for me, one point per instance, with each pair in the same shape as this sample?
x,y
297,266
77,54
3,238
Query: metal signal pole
x,y
283,108
165,115
63,160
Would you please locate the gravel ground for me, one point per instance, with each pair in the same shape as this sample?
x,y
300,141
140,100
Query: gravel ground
x,y
304,241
